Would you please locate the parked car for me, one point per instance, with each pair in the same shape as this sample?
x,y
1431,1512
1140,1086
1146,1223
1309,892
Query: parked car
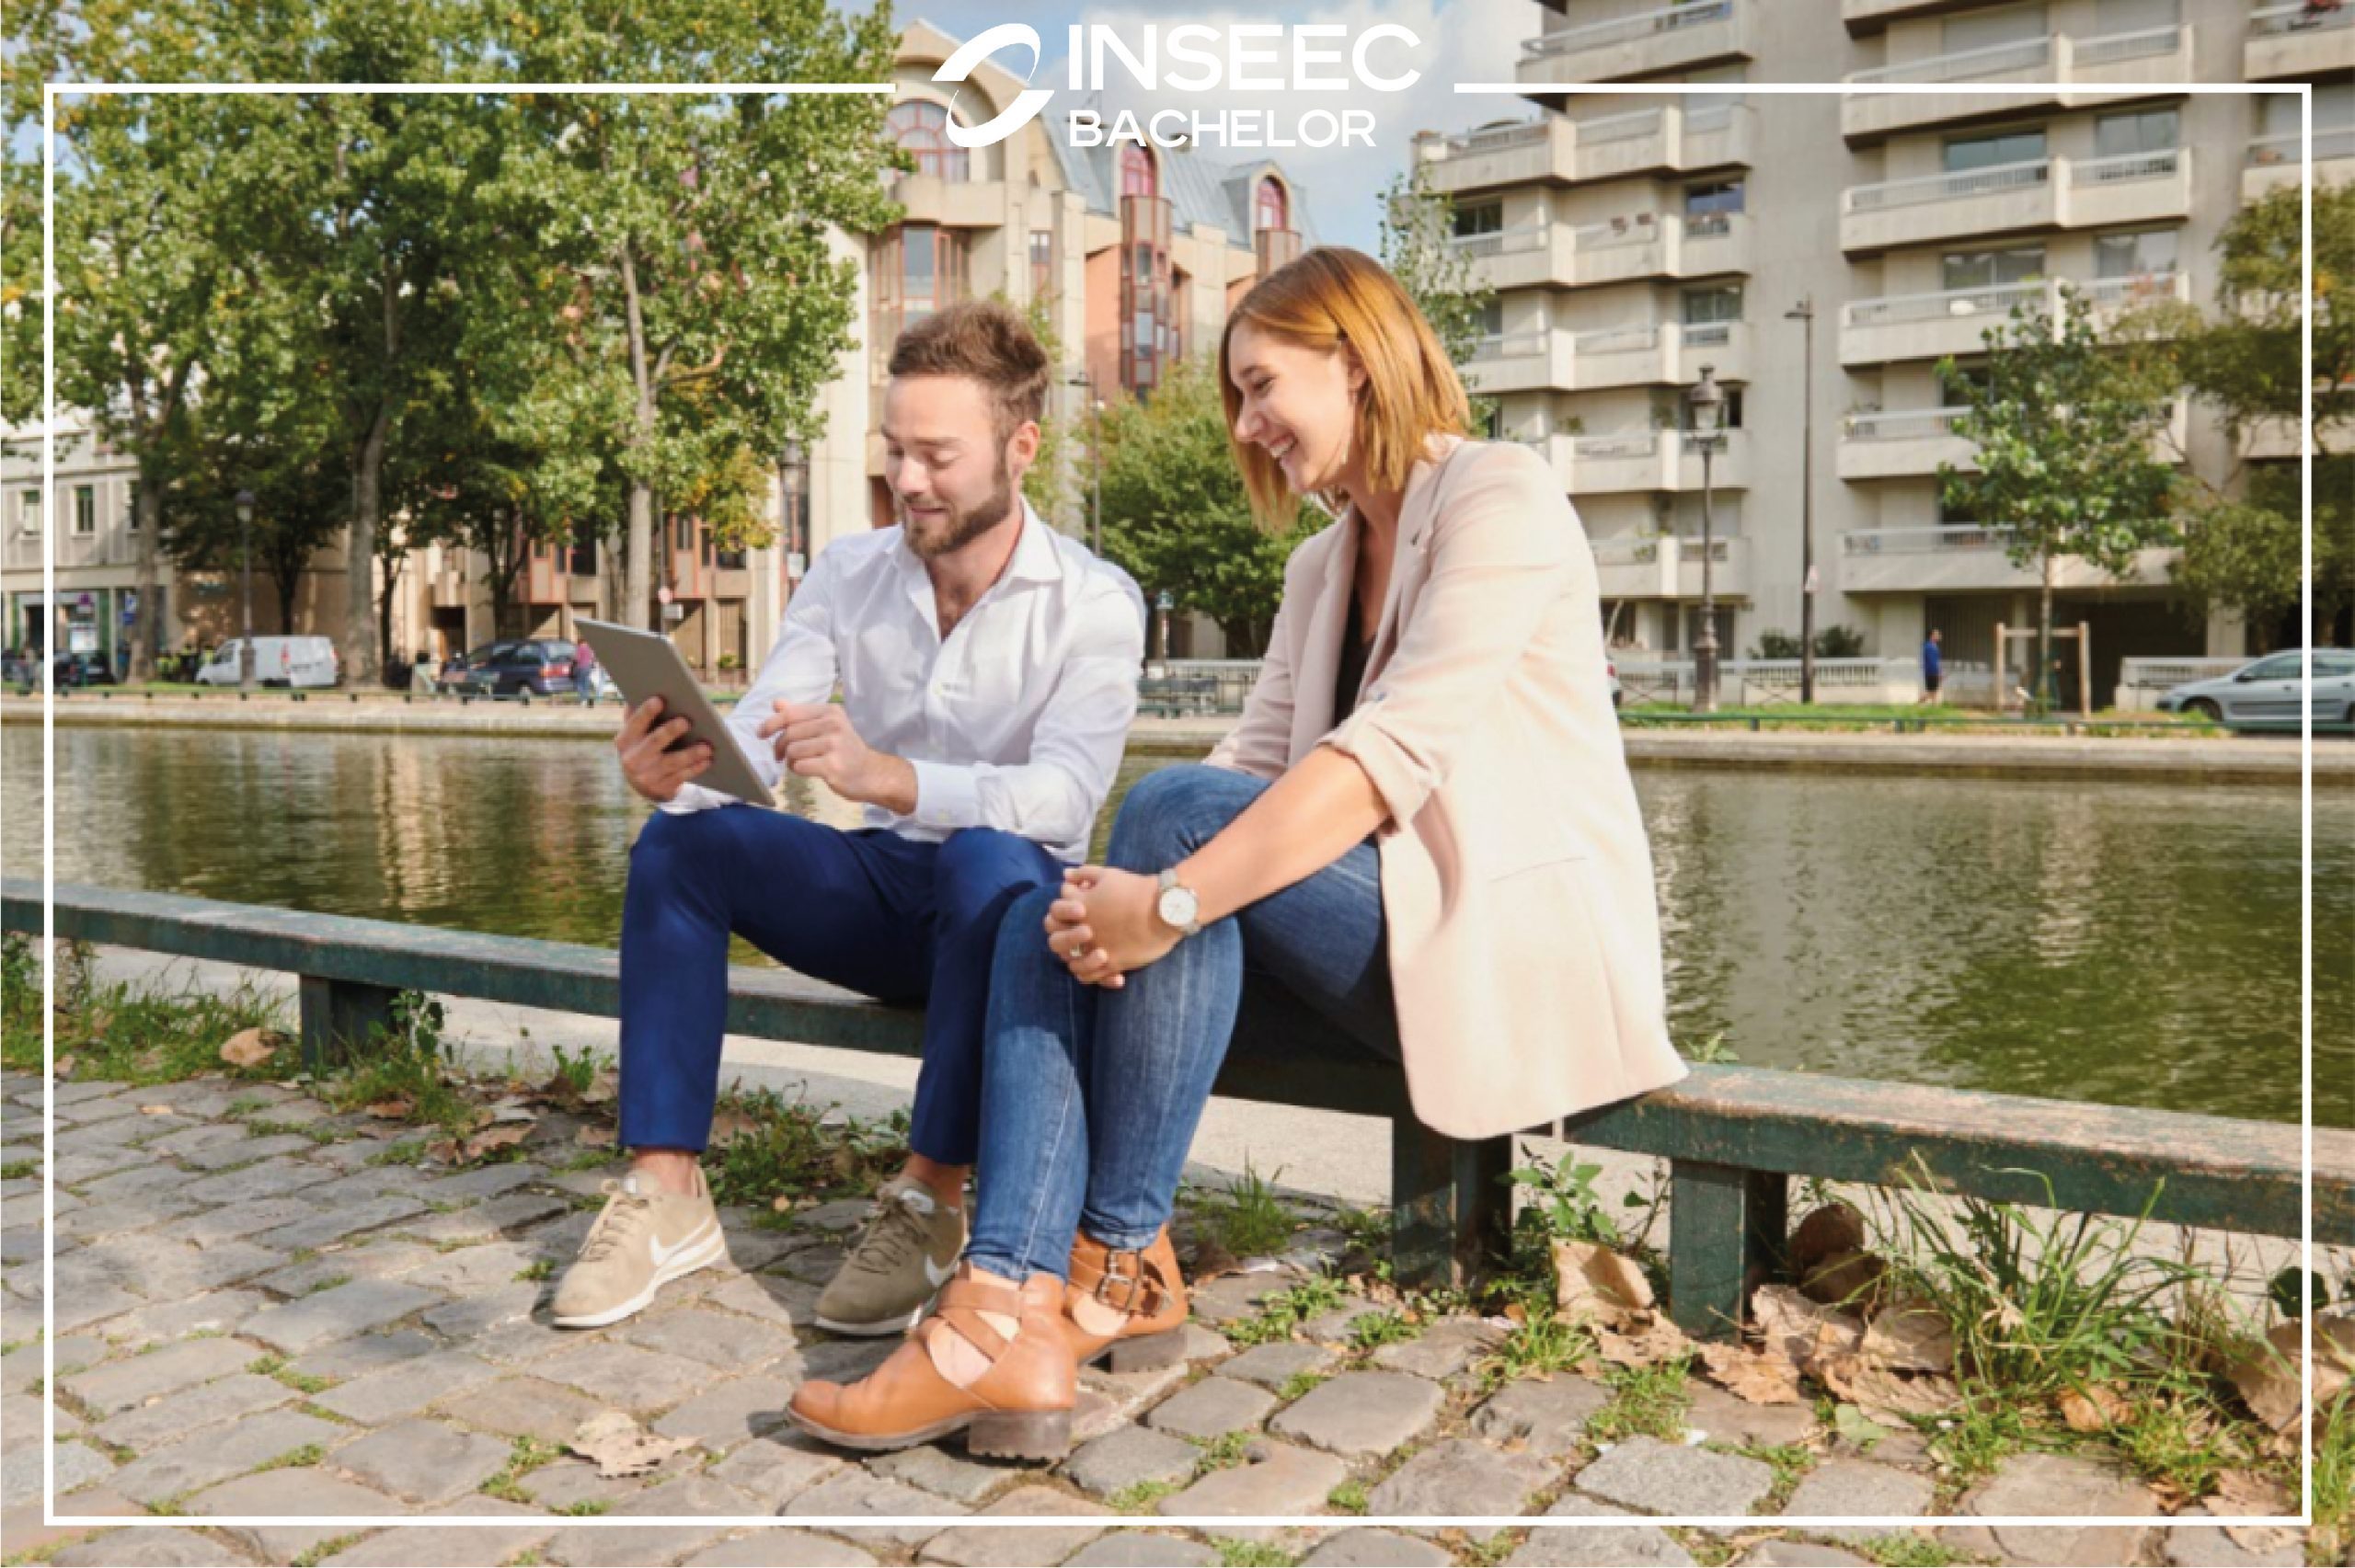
x,y
2267,695
80,669
541,667
20,672
309,661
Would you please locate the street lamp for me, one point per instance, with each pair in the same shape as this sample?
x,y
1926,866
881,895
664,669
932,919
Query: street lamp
x,y
246,556
792,505
1163,604
1707,401
1804,313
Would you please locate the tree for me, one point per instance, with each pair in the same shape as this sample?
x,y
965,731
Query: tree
x,y
695,226
1416,223
2242,538
2064,426
21,309
1176,517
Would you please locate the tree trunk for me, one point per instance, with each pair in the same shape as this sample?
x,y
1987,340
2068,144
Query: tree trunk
x,y
143,624
384,611
361,665
637,586
2040,687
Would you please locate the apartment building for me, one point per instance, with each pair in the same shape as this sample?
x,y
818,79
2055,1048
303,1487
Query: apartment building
x,y
1633,239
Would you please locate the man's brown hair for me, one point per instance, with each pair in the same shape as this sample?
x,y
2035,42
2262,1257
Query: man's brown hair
x,y
983,340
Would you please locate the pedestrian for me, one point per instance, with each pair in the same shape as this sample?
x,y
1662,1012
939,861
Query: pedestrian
x,y
584,672
421,674
1933,669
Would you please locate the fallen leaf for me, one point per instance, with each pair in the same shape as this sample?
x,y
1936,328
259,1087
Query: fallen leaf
x,y
156,1111
1801,1331
393,1109
2095,1408
2262,1537
1911,1337
1648,1345
66,1065
2268,1377
1759,1377
1886,1396
727,1126
781,1204
513,1110
248,1048
1592,1281
501,1135
602,1088
2245,1491
618,1446
1860,1430
595,1138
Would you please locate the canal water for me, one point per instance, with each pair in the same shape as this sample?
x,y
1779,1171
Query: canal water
x,y
2132,944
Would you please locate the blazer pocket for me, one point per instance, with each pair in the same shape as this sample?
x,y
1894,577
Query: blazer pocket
x,y
1543,933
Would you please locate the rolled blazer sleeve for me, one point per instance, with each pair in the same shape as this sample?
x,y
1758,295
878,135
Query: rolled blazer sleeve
x,y
1503,547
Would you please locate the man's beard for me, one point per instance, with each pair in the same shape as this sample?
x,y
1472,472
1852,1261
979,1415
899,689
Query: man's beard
x,y
961,528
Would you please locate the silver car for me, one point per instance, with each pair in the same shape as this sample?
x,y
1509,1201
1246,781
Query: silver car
x,y
2265,696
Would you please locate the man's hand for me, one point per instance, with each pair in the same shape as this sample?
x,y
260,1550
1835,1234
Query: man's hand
x,y
815,741
650,769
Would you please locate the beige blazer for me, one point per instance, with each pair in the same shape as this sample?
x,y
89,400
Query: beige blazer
x,y
1516,876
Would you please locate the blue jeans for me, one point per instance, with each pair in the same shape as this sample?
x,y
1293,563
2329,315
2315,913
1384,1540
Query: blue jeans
x,y
899,919
1090,1097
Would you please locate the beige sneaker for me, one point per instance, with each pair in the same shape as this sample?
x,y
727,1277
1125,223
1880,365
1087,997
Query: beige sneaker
x,y
644,1240
906,1253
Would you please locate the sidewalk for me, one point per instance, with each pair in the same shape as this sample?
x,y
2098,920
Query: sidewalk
x,y
2196,758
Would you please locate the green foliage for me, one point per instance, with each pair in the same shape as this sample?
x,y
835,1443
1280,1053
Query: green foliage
x,y
124,1031
1232,1554
1376,1330
1417,222
1176,517
1246,1218
1283,1310
1831,642
781,1148
1647,1401
1562,1202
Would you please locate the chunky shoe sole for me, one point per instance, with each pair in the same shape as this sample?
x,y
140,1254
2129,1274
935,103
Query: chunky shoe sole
x,y
1042,1434
710,1252
1144,1353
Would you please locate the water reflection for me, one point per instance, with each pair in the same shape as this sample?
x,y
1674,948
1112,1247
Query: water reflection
x,y
2132,943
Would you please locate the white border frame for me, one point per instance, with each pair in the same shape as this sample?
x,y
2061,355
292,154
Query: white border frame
x,y
1209,1524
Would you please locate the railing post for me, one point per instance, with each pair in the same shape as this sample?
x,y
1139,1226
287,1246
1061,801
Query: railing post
x,y
1727,1229
1450,1208
339,1015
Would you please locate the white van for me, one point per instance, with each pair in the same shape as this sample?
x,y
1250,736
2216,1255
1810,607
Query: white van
x,y
278,661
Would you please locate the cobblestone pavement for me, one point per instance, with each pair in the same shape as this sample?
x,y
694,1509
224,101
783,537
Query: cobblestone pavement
x,y
263,1310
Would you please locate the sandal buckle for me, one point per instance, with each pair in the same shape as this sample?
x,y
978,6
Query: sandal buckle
x,y
1141,1292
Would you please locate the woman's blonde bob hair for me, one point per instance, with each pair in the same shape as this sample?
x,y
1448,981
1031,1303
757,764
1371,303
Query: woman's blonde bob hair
x,y
1328,297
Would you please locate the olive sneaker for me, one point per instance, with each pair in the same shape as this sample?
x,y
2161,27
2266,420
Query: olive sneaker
x,y
644,1240
906,1253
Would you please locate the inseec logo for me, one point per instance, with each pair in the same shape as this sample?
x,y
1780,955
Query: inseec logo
x,y
1196,57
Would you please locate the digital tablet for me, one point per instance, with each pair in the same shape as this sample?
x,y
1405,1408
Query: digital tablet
x,y
644,664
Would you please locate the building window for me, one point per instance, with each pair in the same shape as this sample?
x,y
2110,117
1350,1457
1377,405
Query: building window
x,y
1043,263
1138,177
1480,218
1991,268
2145,254
131,506
1272,209
1146,333
1703,306
1966,152
922,128
2137,131
85,509
1718,195
918,269
583,558
29,512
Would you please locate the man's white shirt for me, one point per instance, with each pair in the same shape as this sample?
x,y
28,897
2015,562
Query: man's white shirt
x,y
1015,721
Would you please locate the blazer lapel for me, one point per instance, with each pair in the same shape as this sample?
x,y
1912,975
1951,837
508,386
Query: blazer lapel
x,y
1317,662
1418,510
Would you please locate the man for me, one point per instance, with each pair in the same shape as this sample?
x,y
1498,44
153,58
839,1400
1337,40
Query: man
x,y
1933,669
988,667
584,672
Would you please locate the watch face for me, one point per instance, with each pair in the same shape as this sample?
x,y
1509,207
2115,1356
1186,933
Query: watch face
x,y
1177,907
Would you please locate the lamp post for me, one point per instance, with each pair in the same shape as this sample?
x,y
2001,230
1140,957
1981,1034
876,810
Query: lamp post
x,y
1707,401
1163,604
245,557
1804,313
792,498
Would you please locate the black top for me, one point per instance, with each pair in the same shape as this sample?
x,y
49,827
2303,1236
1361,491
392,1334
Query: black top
x,y
1351,674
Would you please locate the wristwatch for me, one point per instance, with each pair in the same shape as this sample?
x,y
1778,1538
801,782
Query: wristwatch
x,y
1177,904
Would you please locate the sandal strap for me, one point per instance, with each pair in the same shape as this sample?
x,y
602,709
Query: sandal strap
x,y
1127,1281
963,1300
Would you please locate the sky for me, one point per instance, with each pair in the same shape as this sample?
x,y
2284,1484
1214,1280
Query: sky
x,y
1460,41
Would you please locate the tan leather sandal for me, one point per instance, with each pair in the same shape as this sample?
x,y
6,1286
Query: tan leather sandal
x,y
1019,1409
1146,1286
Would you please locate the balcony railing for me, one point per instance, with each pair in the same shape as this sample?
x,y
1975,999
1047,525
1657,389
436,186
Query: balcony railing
x,y
1624,30
1509,345
2276,21
1891,309
1924,541
2110,48
2290,148
1499,242
1903,424
1494,139
1967,64
1997,178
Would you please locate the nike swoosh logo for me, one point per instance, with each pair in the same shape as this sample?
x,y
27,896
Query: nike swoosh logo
x,y
937,1275
663,1254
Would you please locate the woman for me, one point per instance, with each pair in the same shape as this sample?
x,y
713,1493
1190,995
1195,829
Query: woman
x,y
1420,846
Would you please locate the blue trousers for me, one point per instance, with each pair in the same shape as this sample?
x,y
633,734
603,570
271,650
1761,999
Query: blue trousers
x,y
1090,1097
900,920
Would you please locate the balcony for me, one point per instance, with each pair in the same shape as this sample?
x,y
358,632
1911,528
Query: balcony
x,y
1659,355
2298,41
1668,566
2042,193
1644,244
1961,557
1533,361
2275,161
1552,148
951,203
1650,43
1641,460
2265,441
1912,442
1865,17
1950,321
2154,55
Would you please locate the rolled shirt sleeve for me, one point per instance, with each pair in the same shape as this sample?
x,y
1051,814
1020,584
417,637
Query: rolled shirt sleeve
x,y
800,668
1497,565
1053,797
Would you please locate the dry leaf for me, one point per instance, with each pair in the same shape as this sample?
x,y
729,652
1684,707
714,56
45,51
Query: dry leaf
x,y
501,1135
1760,1377
602,1088
2267,1377
250,1048
1645,1347
620,1447
2091,1410
2263,1538
156,1111
595,1138
65,1065
1801,1331
1592,1281
393,1109
2245,1491
1911,1337
1888,1397
729,1124
781,1204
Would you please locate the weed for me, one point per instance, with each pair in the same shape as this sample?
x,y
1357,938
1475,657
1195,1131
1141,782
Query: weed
x,y
18,1170
538,1269
1224,1451
1232,1554
1298,1384
1375,1329
1645,1401
1346,1498
1284,1310
1247,1219
1141,1497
